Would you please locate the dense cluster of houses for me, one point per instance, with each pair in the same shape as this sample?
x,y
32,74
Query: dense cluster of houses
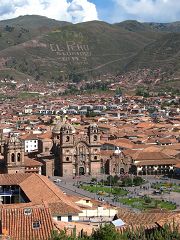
x,y
136,134
99,134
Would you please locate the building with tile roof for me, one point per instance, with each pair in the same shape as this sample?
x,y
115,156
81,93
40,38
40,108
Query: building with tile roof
x,y
26,222
35,201
27,188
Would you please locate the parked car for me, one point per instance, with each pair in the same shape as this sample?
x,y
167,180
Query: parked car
x,y
157,192
57,180
164,178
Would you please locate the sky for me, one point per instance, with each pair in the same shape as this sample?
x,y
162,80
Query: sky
x,y
86,10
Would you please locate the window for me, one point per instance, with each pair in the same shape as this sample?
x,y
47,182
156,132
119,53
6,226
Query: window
x,y
18,157
58,137
58,218
87,201
27,211
36,224
67,139
95,137
67,158
12,157
95,157
70,218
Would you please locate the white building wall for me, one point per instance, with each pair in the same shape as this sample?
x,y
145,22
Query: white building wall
x,y
65,218
31,145
99,212
75,218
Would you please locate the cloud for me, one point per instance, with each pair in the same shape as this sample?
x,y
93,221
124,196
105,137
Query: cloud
x,y
74,11
82,10
9,7
147,10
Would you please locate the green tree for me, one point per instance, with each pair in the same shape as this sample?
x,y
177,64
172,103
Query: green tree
x,y
109,232
90,113
127,181
137,181
118,91
106,232
110,180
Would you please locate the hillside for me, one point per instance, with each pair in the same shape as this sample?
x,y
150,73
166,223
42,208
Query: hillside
x,y
33,22
133,25
82,49
163,53
173,27
47,49
24,28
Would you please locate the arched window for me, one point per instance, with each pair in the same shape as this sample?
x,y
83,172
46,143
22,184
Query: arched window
x,y
67,158
12,157
67,139
95,137
95,157
18,157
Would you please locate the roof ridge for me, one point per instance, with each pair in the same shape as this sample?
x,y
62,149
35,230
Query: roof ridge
x,y
46,184
61,199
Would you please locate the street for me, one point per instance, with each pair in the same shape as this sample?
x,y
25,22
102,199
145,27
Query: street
x,y
70,186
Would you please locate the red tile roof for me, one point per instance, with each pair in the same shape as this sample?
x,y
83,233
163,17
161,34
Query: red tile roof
x,y
38,189
19,226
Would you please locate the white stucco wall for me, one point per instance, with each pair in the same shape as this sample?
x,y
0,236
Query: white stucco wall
x,y
31,145
99,212
65,218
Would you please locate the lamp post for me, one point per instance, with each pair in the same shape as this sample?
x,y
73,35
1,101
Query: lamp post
x,y
103,172
96,185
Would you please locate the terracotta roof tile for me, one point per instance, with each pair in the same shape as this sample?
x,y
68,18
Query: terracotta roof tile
x,y
19,226
38,189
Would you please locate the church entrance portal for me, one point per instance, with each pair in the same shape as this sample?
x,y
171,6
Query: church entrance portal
x,y
81,171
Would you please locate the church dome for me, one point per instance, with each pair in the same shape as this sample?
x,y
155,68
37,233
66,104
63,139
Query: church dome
x,y
63,127
68,126
57,128
14,139
93,126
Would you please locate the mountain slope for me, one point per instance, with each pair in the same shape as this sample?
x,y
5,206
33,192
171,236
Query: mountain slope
x,y
163,53
33,22
24,28
47,49
82,49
